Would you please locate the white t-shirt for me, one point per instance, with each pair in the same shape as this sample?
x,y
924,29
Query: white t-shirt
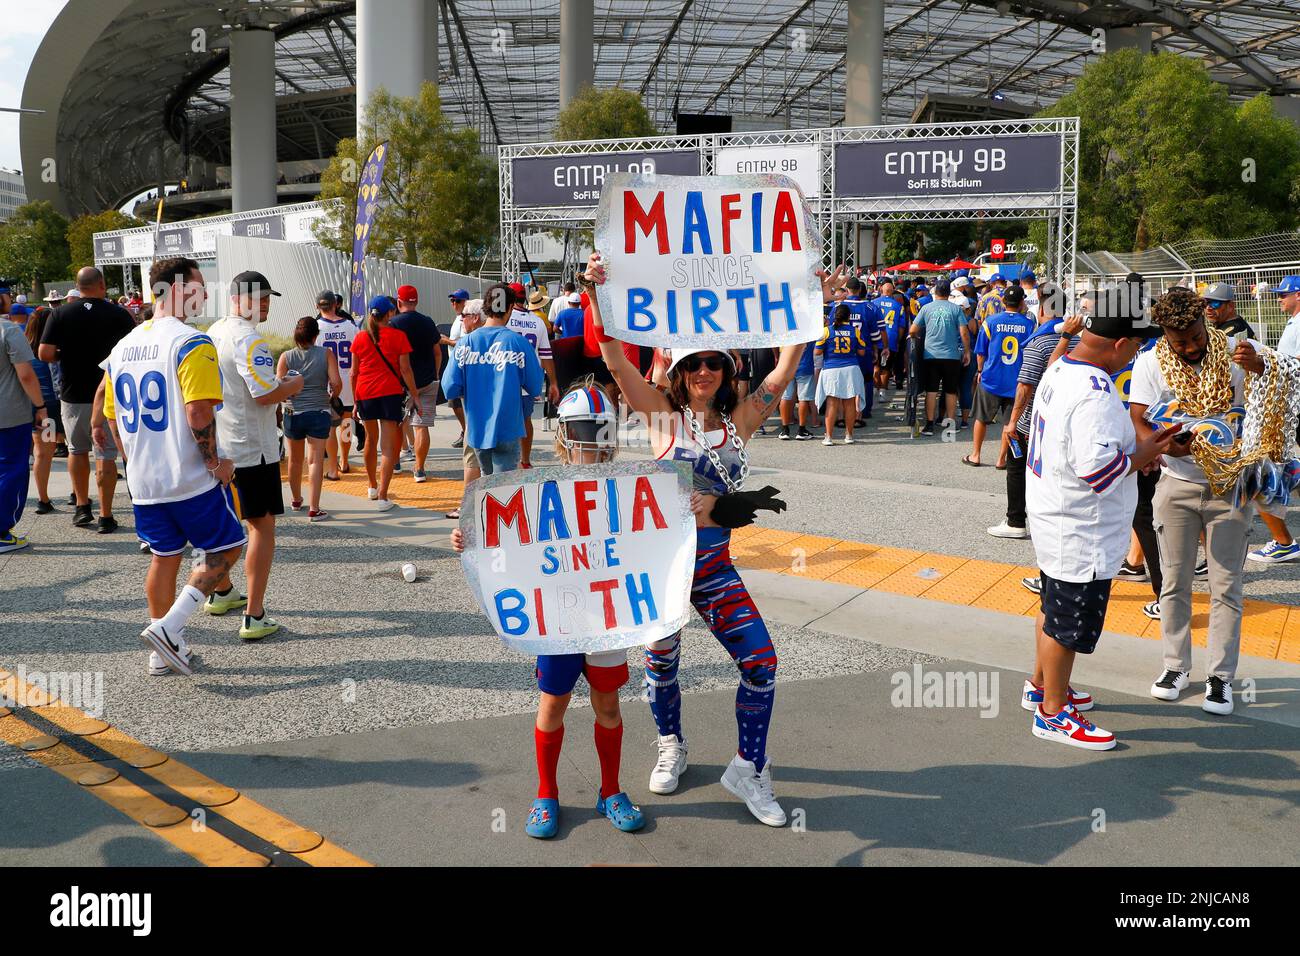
x,y
1079,494
245,429
153,372
337,336
1148,387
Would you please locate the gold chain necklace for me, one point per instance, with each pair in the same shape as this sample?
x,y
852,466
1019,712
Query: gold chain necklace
x,y
1210,392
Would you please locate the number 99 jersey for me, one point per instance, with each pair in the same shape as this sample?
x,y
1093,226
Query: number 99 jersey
x,y
149,377
337,336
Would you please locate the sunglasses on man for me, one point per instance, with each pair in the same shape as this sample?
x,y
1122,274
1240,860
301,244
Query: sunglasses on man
x,y
714,363
1215,305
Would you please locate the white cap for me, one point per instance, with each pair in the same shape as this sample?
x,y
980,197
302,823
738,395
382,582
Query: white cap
x,y
960,282
676,355
22,299
575,298
73,294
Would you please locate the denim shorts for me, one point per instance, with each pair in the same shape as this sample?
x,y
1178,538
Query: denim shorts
x,y
300,425
504,457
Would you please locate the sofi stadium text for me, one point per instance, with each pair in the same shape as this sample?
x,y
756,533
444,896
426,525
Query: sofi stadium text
x,y
1190,899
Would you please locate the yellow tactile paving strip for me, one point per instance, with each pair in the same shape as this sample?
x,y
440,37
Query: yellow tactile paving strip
x,y
1268,630
168,821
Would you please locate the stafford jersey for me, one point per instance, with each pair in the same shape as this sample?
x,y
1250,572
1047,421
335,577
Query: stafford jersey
x,y
337,337
151,375
999,342
1079,494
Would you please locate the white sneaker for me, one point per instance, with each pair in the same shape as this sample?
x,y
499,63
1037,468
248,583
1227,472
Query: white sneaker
x,y
828,441
372,493
1170,685
173,652
848,440
158,667
1005,530
670,765
384,504
1218,696
741,779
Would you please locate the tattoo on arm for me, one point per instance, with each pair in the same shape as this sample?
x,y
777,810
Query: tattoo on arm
x,y
206,438
763,399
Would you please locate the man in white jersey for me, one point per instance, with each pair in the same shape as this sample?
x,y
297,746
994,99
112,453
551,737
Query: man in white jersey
x,y
336,334
161,387
533,329
1080,493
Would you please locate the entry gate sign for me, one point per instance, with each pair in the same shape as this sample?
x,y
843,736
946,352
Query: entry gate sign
x,y
577,180
948,166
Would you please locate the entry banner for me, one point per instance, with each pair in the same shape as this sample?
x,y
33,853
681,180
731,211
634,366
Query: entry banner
x,y
803,164
708,261
580,559
948,166
577,180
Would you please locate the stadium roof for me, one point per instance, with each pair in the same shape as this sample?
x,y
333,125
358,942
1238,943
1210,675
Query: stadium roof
x,y
120,79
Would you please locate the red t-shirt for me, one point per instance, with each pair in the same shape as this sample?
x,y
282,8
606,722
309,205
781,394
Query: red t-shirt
x,y
373,379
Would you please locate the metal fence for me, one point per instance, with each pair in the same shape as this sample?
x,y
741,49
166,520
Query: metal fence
x,y
299,271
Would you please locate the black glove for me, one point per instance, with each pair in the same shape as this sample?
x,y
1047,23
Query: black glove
x,y
737,509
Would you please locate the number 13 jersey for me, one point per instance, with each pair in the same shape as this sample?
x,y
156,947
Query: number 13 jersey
x,y
1079,494
150,376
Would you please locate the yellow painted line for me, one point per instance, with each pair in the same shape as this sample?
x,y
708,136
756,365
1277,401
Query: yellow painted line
x,y
1268,630
202,843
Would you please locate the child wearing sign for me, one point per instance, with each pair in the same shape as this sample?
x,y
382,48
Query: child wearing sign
x,y
587,434
700,419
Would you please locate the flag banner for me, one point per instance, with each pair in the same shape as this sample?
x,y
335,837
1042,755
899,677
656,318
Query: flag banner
x,y
372,178
708,261
579,559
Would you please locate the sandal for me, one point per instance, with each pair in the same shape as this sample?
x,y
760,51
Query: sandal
x,y
543,818
331,477
965,460
1000,467
621,811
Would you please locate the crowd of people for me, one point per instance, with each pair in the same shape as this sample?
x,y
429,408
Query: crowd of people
x,y
201,418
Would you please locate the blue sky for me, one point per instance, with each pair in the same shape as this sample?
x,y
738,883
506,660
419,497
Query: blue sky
x,y
18,43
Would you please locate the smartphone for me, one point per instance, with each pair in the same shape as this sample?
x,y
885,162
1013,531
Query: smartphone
x,y
1015,448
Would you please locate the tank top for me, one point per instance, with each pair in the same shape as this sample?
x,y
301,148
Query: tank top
x,y
683,447
313,365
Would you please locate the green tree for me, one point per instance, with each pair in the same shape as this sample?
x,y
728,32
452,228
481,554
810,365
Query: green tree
x,y
439,193
34,244
604,114
1165,155
81,240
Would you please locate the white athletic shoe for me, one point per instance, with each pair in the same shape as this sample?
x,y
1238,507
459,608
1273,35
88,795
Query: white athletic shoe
x,y
158,667
848,440
1218,696
828,441
372,493
172,651
384,504
670,765
1005,530
1169,685
741,779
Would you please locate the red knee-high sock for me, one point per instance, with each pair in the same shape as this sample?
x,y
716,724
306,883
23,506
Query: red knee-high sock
x,y
609,747
548,759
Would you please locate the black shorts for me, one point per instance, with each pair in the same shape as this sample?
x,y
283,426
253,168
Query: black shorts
x,y
943,375
387,408
989,406
1074,613
259,490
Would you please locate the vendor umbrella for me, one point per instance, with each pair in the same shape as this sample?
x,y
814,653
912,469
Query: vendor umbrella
x,y
960,264
914,265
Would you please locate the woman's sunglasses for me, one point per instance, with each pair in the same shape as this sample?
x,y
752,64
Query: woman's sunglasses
x,y
714,363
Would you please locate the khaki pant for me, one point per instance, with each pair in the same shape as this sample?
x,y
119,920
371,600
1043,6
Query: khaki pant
x,y
1183,509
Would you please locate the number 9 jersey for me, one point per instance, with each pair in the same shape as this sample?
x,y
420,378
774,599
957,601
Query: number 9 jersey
x,y
149,377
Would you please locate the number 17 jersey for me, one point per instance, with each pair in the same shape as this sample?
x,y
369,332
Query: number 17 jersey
x,y
337,336
150,376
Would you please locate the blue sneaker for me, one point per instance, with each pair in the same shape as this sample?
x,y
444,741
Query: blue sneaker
x,y
1274,553
621,811
543,818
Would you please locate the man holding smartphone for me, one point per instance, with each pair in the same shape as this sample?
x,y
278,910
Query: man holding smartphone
x,y
1201,368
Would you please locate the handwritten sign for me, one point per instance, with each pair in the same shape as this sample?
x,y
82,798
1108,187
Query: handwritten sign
x,y
581,559
708,261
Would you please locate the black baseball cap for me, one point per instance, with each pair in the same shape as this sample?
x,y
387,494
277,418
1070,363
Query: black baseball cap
x,y
325,297
1014,296
251,283
1118,314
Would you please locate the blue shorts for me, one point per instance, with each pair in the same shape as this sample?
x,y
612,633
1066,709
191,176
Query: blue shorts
x,y
557,674
208,521
300,425
1074,613
387,408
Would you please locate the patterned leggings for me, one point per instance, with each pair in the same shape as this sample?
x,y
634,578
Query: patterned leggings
x,y
724,603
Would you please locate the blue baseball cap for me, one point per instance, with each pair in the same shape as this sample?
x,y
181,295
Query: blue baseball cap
x,y
1288,285
961,272
19,309
1028,274
381,305
460,295
997,277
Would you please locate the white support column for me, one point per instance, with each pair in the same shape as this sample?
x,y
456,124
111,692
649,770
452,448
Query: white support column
x,y
577,47
252,119
864,83
390,48
429,19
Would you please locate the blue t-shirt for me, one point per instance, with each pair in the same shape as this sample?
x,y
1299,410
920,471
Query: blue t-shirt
x,y
489,369
942,321
841,345
1000,340
806,367
568,322
424,337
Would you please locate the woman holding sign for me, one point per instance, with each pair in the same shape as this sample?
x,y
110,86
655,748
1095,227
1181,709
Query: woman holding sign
x,y
700,419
